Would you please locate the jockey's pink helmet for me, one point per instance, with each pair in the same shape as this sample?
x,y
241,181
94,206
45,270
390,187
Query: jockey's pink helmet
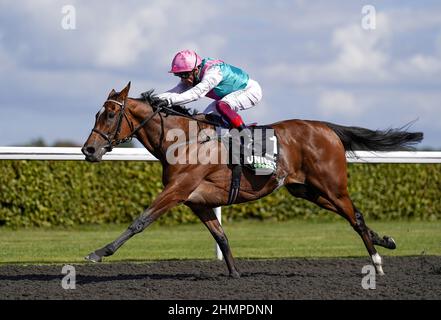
x,y
185,61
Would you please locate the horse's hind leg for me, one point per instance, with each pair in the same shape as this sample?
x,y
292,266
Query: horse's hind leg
x,y
208,217
346,209
385,242
309,193
342,205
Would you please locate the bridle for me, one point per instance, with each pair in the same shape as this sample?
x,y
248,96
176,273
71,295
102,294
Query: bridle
x,y
113,139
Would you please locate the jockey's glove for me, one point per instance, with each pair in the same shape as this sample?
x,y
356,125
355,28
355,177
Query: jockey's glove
x,y
164,102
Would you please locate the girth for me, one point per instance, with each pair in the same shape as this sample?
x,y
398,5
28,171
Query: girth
x,y
236,174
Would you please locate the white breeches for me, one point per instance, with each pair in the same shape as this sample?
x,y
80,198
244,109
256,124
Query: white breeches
x,y
241,99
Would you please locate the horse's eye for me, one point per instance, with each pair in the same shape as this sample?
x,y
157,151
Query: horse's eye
x,y
111,115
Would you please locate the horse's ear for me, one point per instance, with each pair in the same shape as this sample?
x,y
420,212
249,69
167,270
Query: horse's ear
x,y
113,92
125,92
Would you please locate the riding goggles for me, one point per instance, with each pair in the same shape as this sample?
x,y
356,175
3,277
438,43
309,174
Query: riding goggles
x,y
183,75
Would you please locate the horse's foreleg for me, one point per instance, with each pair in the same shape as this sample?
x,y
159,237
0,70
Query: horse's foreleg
x,y
142,222
208,217
165,201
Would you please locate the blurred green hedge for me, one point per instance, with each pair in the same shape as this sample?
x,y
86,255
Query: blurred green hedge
x,y
49,193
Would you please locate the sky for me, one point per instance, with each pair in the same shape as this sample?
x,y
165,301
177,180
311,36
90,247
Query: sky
x,y
314,60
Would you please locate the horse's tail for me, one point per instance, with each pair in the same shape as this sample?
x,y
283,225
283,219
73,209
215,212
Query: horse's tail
x,y
356,138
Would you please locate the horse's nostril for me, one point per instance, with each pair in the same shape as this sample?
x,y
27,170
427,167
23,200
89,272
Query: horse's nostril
x,y
90,150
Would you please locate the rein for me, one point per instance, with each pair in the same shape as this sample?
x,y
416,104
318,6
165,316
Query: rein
x,y
113,140
177,113
151,99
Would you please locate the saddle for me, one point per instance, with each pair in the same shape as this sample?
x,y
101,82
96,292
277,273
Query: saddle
x,y
260,157
216,119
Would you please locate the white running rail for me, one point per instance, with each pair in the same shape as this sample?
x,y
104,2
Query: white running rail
x,y
141,154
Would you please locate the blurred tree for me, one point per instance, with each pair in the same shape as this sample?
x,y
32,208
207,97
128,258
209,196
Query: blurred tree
x,y
128,144
38,142
428,148
65,143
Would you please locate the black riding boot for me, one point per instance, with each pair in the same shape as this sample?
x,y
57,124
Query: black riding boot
x,y
246,145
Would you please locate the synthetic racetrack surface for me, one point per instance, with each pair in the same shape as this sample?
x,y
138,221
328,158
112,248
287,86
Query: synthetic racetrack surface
x,y
278,279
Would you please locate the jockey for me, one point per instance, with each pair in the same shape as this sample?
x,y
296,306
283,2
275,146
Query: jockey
x,y
230,87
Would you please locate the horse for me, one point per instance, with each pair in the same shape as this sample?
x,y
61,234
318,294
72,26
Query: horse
x,y
311,164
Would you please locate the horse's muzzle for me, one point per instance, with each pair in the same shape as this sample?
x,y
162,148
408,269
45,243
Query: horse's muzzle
x,y
92,153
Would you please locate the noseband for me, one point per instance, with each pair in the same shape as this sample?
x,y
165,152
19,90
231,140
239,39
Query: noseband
x,y
112,139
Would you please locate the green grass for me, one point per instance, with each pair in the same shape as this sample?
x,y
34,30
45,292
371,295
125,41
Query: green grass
x,y
248,239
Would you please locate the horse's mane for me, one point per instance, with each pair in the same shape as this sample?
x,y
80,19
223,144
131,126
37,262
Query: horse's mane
x,y
154,101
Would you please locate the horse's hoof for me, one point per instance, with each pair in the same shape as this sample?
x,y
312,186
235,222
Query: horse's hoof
x,y
390,242
235,275
379,270
378,264
93,257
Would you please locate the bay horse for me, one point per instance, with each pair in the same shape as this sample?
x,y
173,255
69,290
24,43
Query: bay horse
x,y
311,165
